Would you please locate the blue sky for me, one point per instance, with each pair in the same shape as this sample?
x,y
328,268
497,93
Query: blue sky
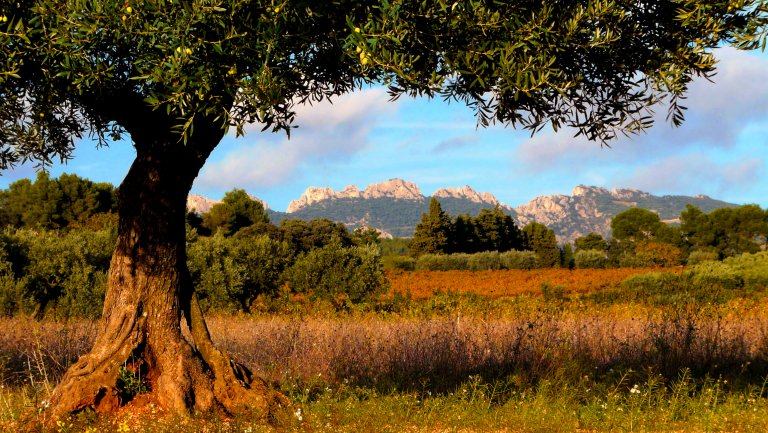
x,y
363,138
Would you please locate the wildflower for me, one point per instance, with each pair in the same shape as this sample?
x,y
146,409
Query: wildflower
x,y
635,390
297,414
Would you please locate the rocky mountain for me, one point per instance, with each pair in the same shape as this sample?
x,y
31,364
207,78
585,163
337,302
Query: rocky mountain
x,y
590,209
396,189
395,207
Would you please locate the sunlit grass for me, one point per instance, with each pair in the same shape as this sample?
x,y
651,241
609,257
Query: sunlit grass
x,y
451,363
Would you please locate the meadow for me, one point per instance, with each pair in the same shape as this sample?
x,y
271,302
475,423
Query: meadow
x,y
523,351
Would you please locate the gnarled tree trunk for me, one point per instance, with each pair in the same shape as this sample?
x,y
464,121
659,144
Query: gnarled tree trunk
x,y
149,292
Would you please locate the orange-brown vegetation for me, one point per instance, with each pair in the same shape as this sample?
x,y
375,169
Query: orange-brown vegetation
x,y
501,283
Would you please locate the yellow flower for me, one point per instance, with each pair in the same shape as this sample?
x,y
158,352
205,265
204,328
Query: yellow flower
x,y
357,29
129,9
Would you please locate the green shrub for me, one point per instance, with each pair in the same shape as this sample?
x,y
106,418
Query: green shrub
x,y
65,274
590,259
443,262
404,263
229,273
485,261
525,260
696,257
12,296
333,271
715,275
752,268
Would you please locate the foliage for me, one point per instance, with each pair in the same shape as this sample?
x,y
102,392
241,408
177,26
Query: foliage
x,y
592,241
237,210
304,236
696,257
61,274
635,225
657,254
54,203
541,240
432,233
334,270
495,231
488,260
404,263
245,60
590,259
728,231
229,273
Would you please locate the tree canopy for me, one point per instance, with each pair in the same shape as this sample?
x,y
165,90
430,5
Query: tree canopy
x,y
598,66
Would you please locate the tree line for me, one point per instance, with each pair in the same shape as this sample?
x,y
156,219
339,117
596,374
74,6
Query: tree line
x,y
59,235
490,230
639,238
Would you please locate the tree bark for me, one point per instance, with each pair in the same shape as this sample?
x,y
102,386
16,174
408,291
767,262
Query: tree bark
x,y
149,291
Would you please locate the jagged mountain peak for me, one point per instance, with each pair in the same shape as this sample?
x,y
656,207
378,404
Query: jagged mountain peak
x,y
393,188
468,193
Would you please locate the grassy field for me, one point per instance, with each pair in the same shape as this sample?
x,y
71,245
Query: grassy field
x,y
556,359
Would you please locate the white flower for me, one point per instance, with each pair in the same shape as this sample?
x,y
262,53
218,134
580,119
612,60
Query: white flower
x,y
297,414
635,390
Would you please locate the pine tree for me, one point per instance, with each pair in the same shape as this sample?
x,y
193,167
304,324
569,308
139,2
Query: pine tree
x,y
432,233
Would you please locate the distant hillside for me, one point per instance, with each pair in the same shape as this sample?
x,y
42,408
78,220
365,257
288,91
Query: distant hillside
x,y
396,206
590,209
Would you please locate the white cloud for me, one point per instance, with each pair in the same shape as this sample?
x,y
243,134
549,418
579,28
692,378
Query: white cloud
x,y
717,116
695,174
326,132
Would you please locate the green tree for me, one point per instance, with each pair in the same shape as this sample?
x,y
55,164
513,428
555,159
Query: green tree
x,y
463,235
567,259
635,225
592,241
496,231
236,211
541,240
304,236
174,76
54,203
432,232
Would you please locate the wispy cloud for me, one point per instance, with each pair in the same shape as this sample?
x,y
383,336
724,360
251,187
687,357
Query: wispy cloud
x,y
717,116
693,173
456,143
326,132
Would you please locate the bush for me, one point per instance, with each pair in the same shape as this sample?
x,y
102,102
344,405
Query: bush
x,y
697,257
485,261
715,275
525,260
404,263
657,254
443,262
590,259
334,271
229,273
64,274
752,268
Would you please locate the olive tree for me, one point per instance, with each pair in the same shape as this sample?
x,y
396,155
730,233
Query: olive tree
x,y
173,77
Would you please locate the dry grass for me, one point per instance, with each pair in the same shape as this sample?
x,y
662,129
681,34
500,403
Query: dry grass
x,y
440,352
505,283
464,372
